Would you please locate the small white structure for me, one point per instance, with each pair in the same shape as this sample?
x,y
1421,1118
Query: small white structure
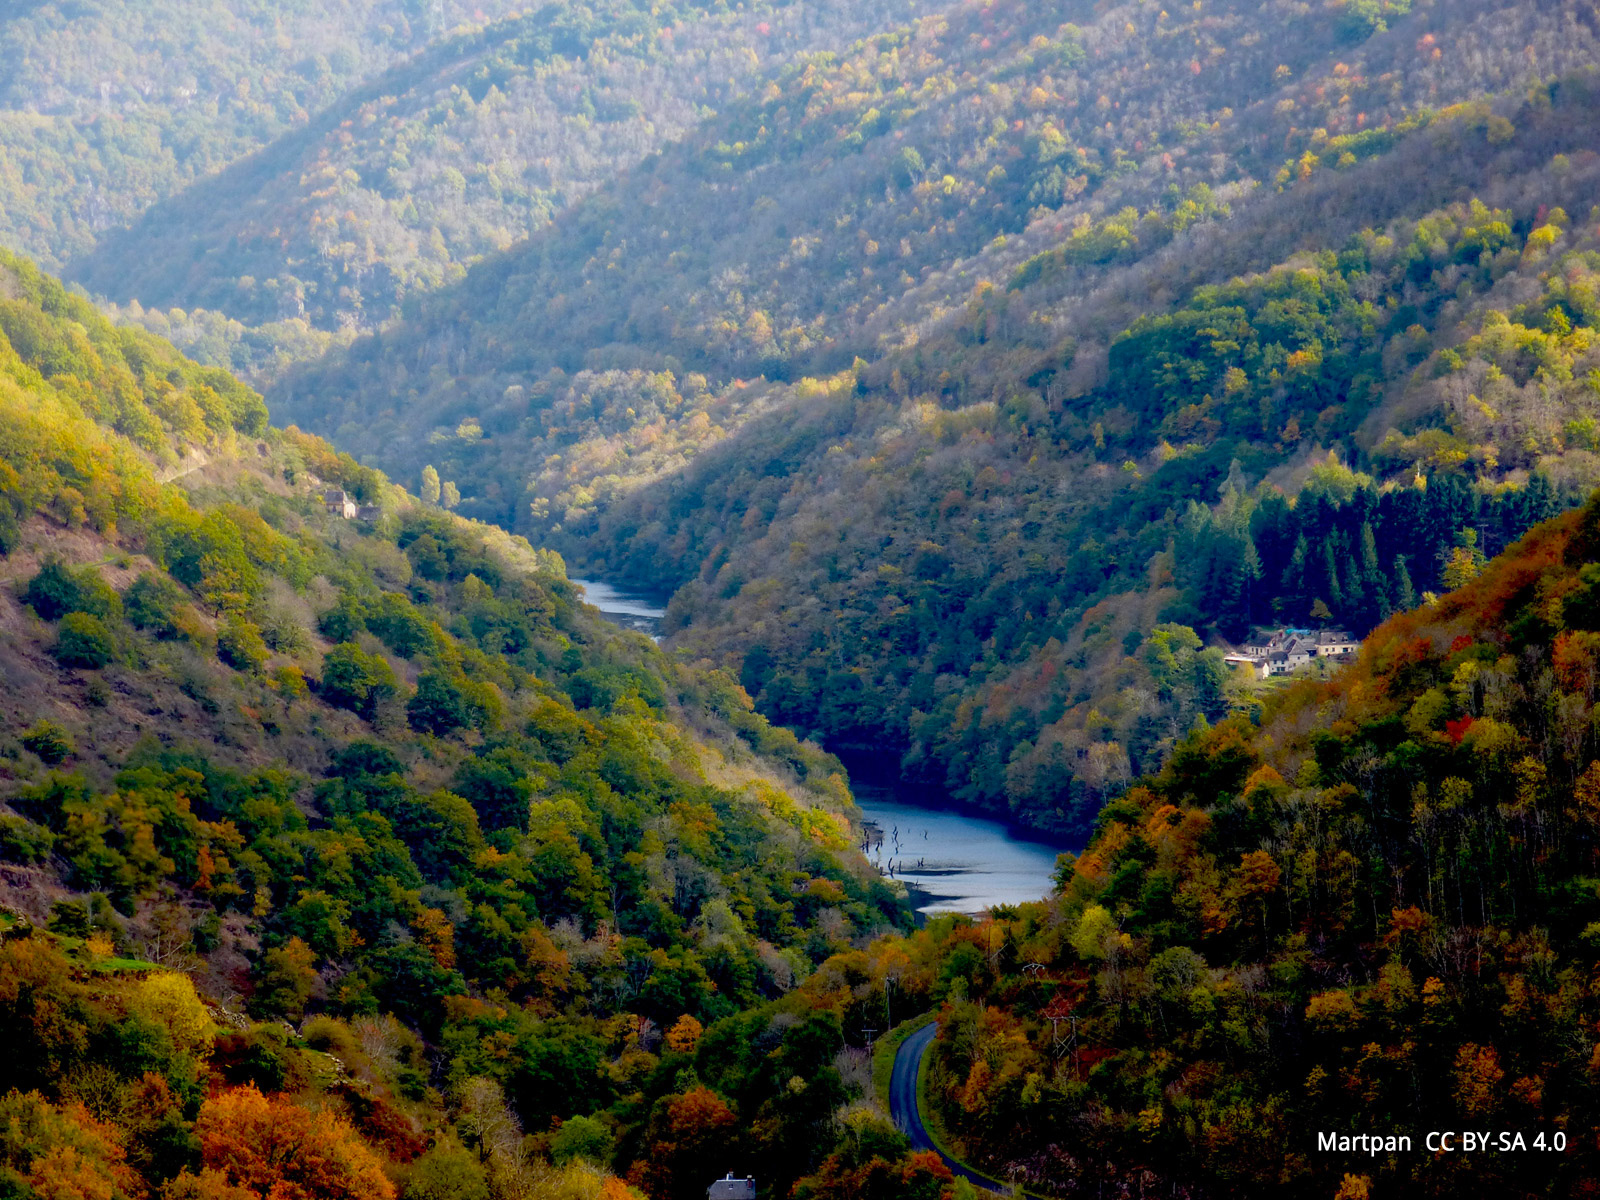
x,y
730,1188
1257,665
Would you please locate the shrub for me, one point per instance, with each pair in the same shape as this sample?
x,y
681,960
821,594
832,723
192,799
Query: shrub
x,y
153,603
290,682
283,633
24,842
49,741
58,590
239,644
84,641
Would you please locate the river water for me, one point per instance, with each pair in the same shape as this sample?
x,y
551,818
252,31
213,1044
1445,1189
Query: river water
x,y
949,860
631,610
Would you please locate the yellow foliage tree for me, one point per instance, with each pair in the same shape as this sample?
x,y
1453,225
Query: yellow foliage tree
x,y
684,1035
169,1000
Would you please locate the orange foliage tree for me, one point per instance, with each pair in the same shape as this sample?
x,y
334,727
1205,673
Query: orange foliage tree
x,y
276,1150
63,1152
921,1176
685,1137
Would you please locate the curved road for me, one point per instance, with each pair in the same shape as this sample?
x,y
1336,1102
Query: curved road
x,y
903,1104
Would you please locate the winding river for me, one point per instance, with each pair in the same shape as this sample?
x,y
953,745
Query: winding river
x,y
950,860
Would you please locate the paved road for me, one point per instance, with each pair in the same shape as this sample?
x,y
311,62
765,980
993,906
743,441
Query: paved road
x,y
903,1103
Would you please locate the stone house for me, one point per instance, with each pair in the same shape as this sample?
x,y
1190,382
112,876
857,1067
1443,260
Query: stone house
x,y
338,504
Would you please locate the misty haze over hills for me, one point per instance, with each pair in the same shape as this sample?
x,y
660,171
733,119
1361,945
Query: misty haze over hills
x,y
984,382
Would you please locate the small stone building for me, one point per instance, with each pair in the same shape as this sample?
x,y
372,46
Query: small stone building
x,y
730,1188
338,504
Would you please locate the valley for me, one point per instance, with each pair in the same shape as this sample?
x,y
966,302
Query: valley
x,y
946,859
798,600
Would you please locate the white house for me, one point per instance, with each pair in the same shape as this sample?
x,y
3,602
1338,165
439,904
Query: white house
x,y
1336,643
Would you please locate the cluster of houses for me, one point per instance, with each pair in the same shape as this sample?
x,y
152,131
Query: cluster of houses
x,y
339,504
1270,652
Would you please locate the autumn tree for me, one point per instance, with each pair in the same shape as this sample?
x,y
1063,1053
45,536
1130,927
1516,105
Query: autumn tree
x,y
274,1148
686,1142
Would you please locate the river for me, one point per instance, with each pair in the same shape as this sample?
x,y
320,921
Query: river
x,y
631,610
950,860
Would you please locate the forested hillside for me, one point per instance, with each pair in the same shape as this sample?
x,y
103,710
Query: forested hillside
x,y
483,868
1374,912
398,185
107,106
849,206
982,583
1158,323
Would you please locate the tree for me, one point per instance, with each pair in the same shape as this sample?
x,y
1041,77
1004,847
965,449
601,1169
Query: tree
x,y
152,602
63,1153
49,741
1405,594
240,645
430,484
286,979
582,1137
354,679
83,641
451,495
447,1172
58,590
168,999
872,1164
274,1148
1465,561
685,1034
684,1133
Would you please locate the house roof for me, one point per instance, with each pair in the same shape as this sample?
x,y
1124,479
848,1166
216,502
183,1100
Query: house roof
x,y
730,1188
